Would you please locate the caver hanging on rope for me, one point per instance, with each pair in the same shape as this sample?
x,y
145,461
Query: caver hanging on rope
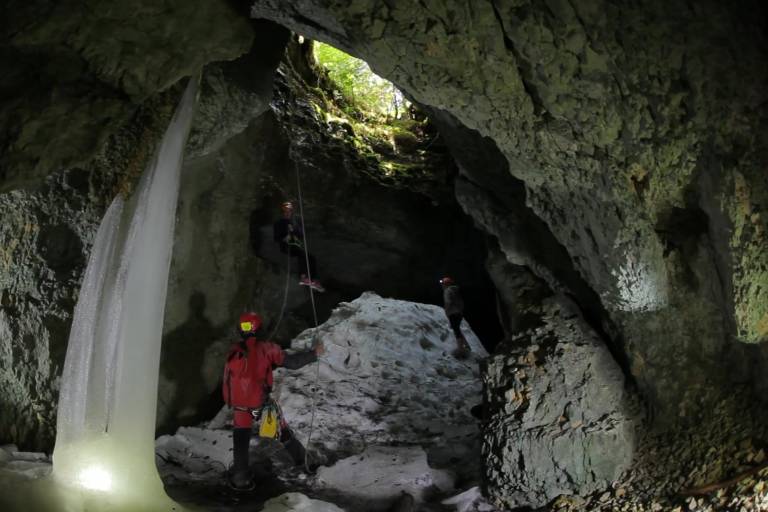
x,y
246,387
289,233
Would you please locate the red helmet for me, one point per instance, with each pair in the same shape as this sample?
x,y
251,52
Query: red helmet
x,y
447,281
249,322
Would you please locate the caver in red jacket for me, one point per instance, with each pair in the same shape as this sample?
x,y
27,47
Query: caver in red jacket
x,y
248,375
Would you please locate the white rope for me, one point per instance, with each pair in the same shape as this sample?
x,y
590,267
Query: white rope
x,y
285,296
314,313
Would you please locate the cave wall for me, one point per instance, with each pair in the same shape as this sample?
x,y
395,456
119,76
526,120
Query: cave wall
x,y
76,72
625,122
632,180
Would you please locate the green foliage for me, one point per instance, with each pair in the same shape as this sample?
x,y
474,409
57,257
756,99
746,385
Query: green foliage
x,y
362,89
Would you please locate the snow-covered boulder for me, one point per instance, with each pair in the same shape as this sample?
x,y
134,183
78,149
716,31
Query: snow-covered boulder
x,y
195,452
26,464
5,455
471,500
388,376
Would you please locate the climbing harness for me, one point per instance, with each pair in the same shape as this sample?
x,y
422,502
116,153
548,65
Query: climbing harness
x,y
295,242
268,417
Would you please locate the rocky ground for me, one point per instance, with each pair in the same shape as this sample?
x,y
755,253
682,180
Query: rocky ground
x,y
720,466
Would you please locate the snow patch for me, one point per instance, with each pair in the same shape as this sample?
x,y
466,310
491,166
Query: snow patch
x,y
388,377
470,500
30,465
195,452
384,472
297,502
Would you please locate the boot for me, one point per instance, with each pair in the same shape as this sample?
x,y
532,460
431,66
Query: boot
x,y
240,477
462,348
294,448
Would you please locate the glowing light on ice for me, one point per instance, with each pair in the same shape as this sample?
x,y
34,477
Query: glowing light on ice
x,y
95,478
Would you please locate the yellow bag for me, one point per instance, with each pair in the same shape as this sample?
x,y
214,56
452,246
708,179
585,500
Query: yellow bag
x,y
270,422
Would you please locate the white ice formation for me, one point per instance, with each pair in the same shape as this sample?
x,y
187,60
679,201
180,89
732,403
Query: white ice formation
x,y
106,418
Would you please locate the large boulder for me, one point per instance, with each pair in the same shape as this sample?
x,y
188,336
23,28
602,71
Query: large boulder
x,y
559,419
388,377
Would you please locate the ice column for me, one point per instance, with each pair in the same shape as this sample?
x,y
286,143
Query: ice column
x,y
106,419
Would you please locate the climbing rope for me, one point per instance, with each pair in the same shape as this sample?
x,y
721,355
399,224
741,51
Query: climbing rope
x,y
285,296
314,313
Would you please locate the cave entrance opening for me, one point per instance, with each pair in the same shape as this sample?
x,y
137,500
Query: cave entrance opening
x,y
362,93
385,127
370,127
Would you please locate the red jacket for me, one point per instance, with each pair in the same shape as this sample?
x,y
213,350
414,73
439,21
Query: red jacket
x,y
248,372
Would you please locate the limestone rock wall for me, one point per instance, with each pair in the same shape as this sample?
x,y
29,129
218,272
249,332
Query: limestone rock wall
x,y
559,418
75,72
637,131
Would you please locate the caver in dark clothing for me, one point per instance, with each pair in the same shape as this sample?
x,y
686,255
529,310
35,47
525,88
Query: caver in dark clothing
x,y
454,310
288,233
452,301
455,321
288,227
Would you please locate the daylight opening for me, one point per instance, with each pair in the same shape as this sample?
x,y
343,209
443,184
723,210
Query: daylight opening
x,y
360,90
